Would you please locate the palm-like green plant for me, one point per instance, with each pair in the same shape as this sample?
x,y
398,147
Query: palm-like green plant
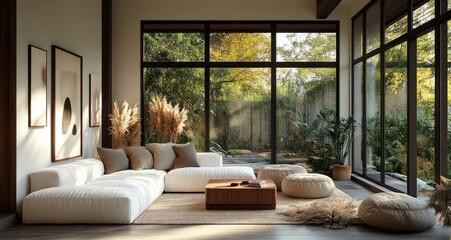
x,y
305,135
340,131
440,200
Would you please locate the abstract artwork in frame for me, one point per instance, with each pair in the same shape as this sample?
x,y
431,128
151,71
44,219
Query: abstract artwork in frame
x,y
66,104
95,114
37,87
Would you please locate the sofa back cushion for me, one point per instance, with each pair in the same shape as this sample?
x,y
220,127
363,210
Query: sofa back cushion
x,y
68,174
209,159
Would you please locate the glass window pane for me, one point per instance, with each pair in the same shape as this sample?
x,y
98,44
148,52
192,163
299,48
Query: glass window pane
x,y
358,116
306,47
173,47
373,121
396,117
396,29
395,16
425,112
373,29
301,94
183,86
358,37
240,105
423,13
240,47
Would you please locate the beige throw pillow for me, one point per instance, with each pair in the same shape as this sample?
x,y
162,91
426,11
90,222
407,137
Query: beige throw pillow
x,y
113,159
163,155
140,158
186,156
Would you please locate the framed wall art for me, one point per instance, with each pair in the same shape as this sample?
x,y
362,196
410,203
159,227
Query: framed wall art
x,y
95,114
37,87
66,104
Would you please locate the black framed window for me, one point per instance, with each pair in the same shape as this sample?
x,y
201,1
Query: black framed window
x,y
244,83
405,133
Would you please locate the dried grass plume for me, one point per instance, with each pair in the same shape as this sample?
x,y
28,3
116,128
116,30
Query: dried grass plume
x,y
125,124
333,213
440,201
168,121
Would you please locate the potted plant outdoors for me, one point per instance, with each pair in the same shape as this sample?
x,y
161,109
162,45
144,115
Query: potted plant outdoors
x,y
340,132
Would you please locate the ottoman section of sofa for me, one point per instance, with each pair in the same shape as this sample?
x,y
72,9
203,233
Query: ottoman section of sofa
x,y
80,204
117,198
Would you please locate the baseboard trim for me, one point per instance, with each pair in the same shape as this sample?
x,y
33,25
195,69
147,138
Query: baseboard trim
x,y
7,220
368,184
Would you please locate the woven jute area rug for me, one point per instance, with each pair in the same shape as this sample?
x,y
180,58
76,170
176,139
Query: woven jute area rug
x,y
189,208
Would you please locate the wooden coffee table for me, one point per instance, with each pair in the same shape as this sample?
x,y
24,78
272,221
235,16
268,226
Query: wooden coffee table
x,y
219,195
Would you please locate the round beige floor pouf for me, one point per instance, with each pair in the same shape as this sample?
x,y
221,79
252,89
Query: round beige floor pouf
x,y
312,185
396,212
277,172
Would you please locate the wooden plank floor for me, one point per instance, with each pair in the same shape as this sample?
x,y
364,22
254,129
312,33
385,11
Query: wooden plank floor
x,y
182,232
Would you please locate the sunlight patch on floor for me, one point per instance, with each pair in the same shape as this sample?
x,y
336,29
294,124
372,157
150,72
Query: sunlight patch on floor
x,y
213,232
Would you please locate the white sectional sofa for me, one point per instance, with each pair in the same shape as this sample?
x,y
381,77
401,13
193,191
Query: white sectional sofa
x,y
80,192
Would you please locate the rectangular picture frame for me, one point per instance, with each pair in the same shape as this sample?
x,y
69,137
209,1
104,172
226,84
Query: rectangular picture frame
x,y
37,87
95,111
67,127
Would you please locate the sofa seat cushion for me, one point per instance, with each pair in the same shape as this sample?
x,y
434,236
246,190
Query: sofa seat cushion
x,y
194,179
119,197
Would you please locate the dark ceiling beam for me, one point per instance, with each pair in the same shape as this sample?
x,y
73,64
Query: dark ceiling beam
x,y
325,7
393,9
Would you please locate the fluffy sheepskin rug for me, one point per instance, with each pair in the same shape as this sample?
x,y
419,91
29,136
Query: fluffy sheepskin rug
x,y
332,212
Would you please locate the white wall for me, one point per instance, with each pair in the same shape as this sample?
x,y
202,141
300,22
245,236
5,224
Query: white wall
x,y
356,6
74,25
